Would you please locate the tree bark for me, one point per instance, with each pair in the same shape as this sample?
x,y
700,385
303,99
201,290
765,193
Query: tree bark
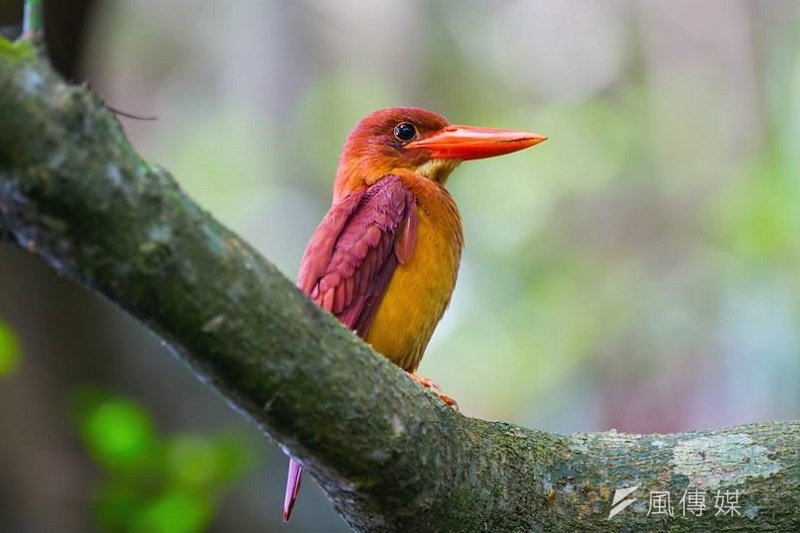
x,y
389,455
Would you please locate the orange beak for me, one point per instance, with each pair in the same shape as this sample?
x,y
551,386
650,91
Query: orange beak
x,y
470,142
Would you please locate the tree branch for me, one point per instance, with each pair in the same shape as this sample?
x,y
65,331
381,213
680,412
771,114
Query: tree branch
x,y
389,455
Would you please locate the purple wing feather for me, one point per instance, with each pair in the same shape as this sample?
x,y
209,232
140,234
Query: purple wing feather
x,y
354,252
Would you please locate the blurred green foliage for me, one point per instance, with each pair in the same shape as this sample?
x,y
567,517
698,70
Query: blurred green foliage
x,y
9,350
759,220
153,483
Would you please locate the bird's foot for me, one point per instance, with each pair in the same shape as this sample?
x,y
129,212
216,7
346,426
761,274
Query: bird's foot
x,y
434,387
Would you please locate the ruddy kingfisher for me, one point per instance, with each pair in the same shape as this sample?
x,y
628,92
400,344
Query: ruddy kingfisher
x,y
385,257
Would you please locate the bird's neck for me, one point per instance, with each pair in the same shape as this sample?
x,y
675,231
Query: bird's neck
x,y
435,202
358,172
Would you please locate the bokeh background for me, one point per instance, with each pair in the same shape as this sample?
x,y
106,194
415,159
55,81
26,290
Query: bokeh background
x,y
639,271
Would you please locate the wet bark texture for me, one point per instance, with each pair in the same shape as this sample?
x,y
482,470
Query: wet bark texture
x,y
389,455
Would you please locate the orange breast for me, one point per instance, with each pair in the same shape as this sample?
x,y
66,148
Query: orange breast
x,y
420,291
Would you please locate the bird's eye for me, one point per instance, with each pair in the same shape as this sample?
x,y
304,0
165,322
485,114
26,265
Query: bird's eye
x,y
405,131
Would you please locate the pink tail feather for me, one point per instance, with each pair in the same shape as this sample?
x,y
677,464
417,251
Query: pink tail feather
x,y
292,488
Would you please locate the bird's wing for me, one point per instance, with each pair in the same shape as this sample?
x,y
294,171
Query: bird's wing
x,y
355,249
351,258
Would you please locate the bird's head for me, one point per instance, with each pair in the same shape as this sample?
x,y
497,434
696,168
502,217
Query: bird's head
x,y
410,139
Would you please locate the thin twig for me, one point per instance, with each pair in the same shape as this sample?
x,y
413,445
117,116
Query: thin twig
x,y
33,20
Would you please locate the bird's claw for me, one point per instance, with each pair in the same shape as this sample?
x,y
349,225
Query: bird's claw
x,y
427,383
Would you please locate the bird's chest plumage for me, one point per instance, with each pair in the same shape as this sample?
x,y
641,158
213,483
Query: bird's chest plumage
x,y
419,291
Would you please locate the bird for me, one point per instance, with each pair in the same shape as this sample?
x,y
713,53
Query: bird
x,y
385,257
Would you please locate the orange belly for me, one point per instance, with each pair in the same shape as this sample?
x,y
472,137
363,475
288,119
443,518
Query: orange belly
x,y
418,292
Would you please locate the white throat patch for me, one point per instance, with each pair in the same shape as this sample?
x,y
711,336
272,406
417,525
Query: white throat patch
x,y
438,170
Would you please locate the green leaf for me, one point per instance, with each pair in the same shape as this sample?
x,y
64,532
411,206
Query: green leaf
x,y
20,49
193,460
116,505
236,454
9,350
177,511
118,434
202,461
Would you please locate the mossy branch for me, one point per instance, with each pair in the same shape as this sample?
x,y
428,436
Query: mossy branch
x,y
389,455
